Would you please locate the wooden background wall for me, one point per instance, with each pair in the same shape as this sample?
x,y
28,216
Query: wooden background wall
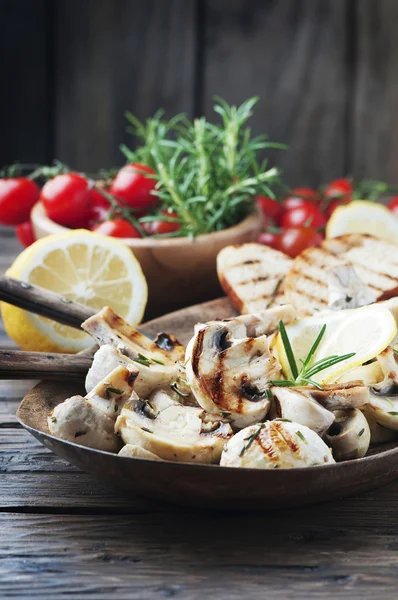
x,y
326,72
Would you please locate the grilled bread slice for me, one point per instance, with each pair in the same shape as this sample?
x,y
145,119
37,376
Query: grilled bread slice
x,y
252,276
374,261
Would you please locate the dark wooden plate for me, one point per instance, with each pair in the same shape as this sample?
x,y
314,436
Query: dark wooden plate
x,y
208,486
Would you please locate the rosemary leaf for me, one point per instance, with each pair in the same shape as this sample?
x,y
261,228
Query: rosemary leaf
x,y
288,349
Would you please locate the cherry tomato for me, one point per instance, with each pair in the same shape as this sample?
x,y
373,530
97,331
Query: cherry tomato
x,y
25,234
117,228
159,227
17,197
98,209
131,186
393,205
296,239
339,188
335,204
66,199
304,215
268,239
269,207
300,196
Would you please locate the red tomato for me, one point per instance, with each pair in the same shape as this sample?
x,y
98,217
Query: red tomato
x,y
98,209
117,228
25,233
159,227
335,204
300,196
393,205
269,207
338,188
295,240
17,197
66,199
131,186
305,215
268,239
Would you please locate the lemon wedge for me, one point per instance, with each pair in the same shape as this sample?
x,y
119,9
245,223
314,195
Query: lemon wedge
x,y
366,331
85,267
362,216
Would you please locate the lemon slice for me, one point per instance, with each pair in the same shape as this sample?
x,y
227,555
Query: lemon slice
x,y
362,216
85,267
366,331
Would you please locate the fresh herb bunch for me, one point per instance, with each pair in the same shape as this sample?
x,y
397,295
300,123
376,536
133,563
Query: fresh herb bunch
x,y
308,370
208,174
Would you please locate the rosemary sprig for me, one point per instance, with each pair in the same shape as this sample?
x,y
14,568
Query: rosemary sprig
x,y
250,439
308,369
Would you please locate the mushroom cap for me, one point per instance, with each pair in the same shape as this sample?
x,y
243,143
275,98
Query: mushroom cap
x,y
297,405
349,436
378,433
229,375
78,420
111,393
384,410
173,431
276,445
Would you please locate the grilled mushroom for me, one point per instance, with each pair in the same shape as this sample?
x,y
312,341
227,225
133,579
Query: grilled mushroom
x,y
378,433
295,404
172,431
263,322
388,363
229,375
276,445
90,421
338,396
384,409
349,435
131,451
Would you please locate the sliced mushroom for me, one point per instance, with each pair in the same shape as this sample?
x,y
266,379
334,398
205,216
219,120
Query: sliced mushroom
x,y
388,364
346,289
384,409
276,445
150,375
263,322
349,435
131,451
338,396
77,420
107,327
173,431
378,433
90,421
229,375
296,405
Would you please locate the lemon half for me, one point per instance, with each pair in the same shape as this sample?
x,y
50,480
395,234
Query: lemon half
x,y
363,216
367,331
86,267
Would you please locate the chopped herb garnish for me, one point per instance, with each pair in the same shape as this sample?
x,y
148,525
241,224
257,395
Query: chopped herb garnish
x,y
268,393
308,370
395,351
116,407
301,436
250,439
348,298
114,390
389,401
157,361
146,429
393,412
284,420
225,413
361,432
178,391
53,419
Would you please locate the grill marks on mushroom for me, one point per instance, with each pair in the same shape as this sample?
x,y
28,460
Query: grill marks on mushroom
x,y
89,421
276,445
173,431
228,374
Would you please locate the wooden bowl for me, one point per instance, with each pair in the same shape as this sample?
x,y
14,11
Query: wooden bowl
x,y
209,486
179,271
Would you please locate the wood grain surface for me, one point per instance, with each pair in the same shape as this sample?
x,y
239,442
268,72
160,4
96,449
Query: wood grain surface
x,y
63,533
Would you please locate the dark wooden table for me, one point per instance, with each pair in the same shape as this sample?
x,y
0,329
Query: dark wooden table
x,y
65,534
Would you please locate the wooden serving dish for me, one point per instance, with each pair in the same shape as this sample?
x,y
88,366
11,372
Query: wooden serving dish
x,y
205,486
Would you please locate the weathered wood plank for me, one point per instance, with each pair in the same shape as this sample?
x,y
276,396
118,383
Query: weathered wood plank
x,y
24,102
117,56
297,554
291,54
374,119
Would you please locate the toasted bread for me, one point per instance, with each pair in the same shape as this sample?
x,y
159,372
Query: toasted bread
x,y
252,276
375,262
